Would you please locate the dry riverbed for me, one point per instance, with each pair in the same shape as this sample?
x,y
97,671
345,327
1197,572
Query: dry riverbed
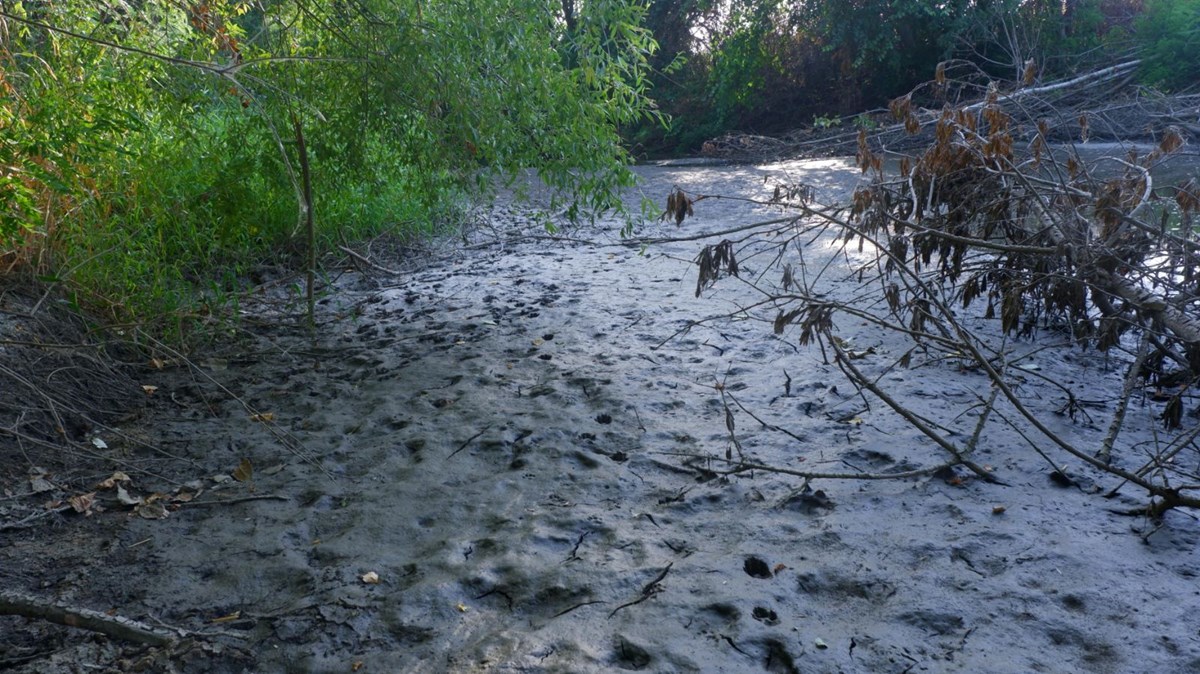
x,y
495,461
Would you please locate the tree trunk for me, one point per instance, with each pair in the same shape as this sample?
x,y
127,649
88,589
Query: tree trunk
x,y
569,16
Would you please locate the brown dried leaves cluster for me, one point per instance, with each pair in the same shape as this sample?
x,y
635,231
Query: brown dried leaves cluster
x,y
715,260
679,206
1046,238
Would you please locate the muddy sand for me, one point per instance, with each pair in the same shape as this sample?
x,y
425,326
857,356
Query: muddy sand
x,y
495,462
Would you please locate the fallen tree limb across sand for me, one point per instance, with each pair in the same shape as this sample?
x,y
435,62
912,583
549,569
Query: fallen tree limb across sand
x,y
1104,104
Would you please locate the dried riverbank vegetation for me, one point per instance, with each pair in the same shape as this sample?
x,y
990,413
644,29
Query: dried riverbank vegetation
x,y
1102,105
988,220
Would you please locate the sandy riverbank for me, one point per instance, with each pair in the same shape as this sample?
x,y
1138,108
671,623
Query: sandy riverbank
x,y
505,436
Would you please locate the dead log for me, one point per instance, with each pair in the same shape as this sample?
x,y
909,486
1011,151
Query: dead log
x,y
118,627
1182,325
1084,81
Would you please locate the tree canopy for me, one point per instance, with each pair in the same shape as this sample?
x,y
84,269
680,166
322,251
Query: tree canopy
x,y
150,146
150,142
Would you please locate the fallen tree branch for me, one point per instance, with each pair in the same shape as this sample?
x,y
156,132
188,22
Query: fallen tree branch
x,y
861,380
1091,78
1175,320
15,603
377,267
1042,241
27,522
740,466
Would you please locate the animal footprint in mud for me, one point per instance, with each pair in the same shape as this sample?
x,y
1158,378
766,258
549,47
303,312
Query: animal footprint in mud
x,y
756,568
808,502
603,419
765,616
630,656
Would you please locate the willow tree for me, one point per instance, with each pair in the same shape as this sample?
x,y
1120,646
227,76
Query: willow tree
x,y
153,144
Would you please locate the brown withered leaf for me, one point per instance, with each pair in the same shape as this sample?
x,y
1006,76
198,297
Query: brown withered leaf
x,y
183,496
892,295
1172,140
912,125
1172,414
864,158
1030,72
712,260
785,319
1073,167
244,471
679,206
39,484
83,503
1187,195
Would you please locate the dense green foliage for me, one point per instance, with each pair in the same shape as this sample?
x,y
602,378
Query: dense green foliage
x,y
1170,33
148,146
763,66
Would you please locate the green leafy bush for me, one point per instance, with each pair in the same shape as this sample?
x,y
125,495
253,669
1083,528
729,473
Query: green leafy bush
x,y
148,158
1168,35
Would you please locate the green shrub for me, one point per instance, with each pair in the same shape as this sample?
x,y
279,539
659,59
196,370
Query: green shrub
x,y
148,159
1168,36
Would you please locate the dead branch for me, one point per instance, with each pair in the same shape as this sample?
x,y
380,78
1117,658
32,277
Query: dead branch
x,y
975,218
1118,418
33,519
1108,96
118,627
1091,79
366,261
862,381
